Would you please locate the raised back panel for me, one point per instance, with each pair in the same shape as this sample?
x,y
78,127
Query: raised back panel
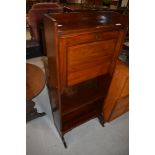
x,y
86,61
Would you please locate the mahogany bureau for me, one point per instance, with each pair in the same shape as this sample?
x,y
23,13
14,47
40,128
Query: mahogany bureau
x,y
82,49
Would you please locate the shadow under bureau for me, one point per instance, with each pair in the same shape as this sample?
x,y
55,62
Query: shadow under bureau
x,y
82,49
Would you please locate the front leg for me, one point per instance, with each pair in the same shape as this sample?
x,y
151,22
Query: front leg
x,y
101,120
64,142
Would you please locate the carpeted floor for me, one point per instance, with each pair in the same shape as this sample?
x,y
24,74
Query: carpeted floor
x,y
88,139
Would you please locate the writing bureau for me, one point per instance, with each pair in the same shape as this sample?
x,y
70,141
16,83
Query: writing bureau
x,y
82,49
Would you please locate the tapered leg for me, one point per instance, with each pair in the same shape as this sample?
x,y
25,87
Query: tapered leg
x,y
64,142
101,120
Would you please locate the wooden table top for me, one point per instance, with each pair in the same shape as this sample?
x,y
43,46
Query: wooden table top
x,y
73,23
35,81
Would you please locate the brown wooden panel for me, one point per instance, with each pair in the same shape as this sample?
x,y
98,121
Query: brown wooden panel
x,y
74,23
77,113
82,59
83,94
69,125
125,90
81,115
86,53
90,37
53,72
87,74
118,83
121,107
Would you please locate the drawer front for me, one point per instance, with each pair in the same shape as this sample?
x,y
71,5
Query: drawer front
x,y
90,37
80,116
88,60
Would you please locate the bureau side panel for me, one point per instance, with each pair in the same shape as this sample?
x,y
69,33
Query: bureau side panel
x,y
53,69
120,40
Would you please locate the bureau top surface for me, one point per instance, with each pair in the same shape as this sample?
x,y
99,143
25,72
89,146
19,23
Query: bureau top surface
x,y
74,22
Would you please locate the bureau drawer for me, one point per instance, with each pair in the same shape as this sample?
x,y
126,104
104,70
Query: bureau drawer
x,y
89,60
90,37
81,115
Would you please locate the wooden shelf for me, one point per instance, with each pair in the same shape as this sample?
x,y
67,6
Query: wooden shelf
x,y
80,116
80,98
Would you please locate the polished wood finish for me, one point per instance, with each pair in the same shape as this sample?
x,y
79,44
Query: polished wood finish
x,y
30,3
92,7
35,82
82,50
35,21
84,58
117,100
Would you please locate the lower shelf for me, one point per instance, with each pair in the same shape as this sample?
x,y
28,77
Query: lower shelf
x,y
83,94
83,102
81,115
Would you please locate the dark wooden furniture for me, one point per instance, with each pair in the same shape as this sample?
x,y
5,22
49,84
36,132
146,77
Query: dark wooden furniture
x,y
91,5
82,50
35,21
30,3
86,8
117,100
36,14
89,2
35,82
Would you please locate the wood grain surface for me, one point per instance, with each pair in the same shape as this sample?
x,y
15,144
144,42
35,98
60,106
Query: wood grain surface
x,y
35,81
